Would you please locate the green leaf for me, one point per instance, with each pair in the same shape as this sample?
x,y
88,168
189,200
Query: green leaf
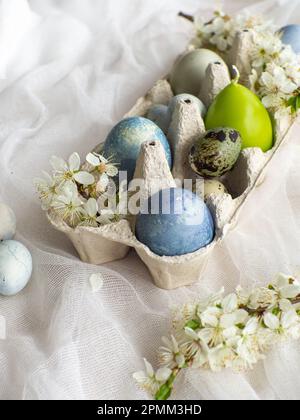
x,y
193,324
163,393
294,103
276,311
240,326
263,324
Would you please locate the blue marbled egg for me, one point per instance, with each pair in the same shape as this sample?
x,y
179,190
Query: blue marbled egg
x,y
160,115
124,142
15,267
175,222
186,97
290,35
7,222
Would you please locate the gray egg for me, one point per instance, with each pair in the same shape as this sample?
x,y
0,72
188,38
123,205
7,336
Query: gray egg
x,y
160,115
189,72
7,222
186,97
15,267
216,152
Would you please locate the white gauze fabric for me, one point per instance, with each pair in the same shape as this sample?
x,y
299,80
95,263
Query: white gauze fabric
x,y
69,70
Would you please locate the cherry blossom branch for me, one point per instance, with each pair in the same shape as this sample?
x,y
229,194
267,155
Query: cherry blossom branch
x,y
219,332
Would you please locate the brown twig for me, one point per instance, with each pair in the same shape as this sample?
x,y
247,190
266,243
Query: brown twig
x,y
260,311
187,17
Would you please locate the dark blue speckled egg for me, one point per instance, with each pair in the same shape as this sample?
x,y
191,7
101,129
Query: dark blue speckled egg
x,y
124,142
174,222
290,35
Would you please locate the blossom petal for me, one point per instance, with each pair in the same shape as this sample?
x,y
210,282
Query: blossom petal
x,y
271,321
140,376
241,316
208,319
206,334
74,162
191,334
149,368
251,326
102,159
230,303
91,207
96,282
228,320
92,159
48,178
175,345
58,164
229,332
289,319
285,305
289,292
281,280
84,178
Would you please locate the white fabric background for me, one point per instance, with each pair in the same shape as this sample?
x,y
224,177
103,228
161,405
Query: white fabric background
x,y
69,70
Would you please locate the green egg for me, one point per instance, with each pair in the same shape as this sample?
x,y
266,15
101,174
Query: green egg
x,y
239,108
216,152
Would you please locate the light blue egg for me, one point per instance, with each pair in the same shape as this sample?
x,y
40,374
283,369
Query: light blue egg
x,y
179,223
187,98
7,222
160,115
124,142
290,35
15,267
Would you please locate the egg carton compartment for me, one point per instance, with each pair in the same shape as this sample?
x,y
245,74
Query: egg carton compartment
x,y
112,242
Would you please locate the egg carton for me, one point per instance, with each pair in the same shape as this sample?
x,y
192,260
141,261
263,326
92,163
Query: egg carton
x,y
112,242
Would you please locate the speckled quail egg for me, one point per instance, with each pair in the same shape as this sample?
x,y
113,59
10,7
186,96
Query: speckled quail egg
x,y
213,186
203,188
216,152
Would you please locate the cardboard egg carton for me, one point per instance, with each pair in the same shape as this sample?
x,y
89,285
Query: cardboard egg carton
x,y
112,242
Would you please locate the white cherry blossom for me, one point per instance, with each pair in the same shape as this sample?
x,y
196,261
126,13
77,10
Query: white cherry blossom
x,y
48,189
90,213
103,168
150,380
70,171
69,204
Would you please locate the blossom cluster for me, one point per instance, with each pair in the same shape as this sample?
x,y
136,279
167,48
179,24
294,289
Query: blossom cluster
x,y
275,76
220,332
78,194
